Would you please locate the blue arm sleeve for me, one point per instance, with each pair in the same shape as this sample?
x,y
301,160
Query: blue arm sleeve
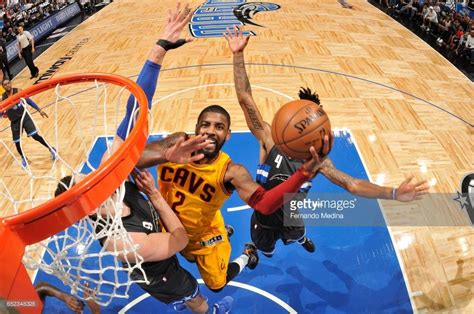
x,y
147,80
32,104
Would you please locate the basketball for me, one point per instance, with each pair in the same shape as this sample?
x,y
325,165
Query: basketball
x,y
297,126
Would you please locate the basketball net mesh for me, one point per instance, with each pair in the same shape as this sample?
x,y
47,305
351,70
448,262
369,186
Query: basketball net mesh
x,y
74,256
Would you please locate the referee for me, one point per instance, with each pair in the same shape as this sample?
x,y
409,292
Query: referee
x,y
26,49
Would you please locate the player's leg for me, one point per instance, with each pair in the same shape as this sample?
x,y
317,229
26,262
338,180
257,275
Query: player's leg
x,y
31,130
16,133
291,235
263,238
307,244
213,266
248,258
222,306
175,286
195,301
216,270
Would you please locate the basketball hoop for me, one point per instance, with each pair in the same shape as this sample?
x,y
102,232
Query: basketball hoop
x,y
47,219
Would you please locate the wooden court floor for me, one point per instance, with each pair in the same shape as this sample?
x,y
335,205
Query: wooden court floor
x,y
409,110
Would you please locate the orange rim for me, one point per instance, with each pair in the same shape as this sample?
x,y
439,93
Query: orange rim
x,y
59,213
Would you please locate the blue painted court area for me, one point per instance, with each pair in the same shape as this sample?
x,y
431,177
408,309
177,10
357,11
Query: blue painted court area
x,y
354,269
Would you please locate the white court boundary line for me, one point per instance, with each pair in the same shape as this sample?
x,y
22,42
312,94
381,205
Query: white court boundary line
x,y
389,229
237,284
238,208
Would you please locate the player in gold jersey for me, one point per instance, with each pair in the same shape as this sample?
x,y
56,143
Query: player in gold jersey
x,y
197,185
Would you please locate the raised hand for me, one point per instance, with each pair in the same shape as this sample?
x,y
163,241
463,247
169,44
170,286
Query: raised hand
x,y
178,18
183,152
312,165
73,303
237,42
408,191
145,182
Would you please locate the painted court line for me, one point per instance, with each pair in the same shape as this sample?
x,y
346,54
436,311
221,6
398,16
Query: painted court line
x,y
237,284
389,229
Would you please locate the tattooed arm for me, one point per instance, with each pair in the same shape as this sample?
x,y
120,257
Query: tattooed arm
x,y
259,128
406,191
352,185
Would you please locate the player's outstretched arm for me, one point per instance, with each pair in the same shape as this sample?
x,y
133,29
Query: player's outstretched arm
x,y
177,148
148,78
261,130
45,289
30,102
406,192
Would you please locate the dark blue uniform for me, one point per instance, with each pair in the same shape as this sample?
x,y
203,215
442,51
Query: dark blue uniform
x,y
168,281
15,114
267,229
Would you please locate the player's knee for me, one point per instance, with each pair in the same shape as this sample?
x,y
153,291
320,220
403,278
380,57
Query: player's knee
x,y
215,285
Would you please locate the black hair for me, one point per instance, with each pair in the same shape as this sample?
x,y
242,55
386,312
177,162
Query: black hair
x,y
216,109
63,185
308,94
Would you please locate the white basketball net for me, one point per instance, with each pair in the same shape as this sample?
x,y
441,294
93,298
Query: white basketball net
x,y
74,256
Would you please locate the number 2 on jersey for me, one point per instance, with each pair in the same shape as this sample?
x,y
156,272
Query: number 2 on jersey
x,y
180,196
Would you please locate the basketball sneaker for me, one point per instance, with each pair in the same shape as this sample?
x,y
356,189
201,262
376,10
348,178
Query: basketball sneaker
x,y
308,245
251,251
230,230
223,306
23,162
180,307
54,154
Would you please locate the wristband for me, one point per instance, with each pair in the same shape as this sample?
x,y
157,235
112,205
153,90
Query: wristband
x,y
394,193
168,45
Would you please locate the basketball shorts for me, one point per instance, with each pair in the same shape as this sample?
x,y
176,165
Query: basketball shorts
x,y
213,266
176,285
265,237
17,128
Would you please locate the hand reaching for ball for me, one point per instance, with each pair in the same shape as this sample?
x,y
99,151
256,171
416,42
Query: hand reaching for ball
x,y
311,166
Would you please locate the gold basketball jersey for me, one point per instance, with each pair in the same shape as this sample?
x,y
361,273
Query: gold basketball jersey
x,y
196,193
